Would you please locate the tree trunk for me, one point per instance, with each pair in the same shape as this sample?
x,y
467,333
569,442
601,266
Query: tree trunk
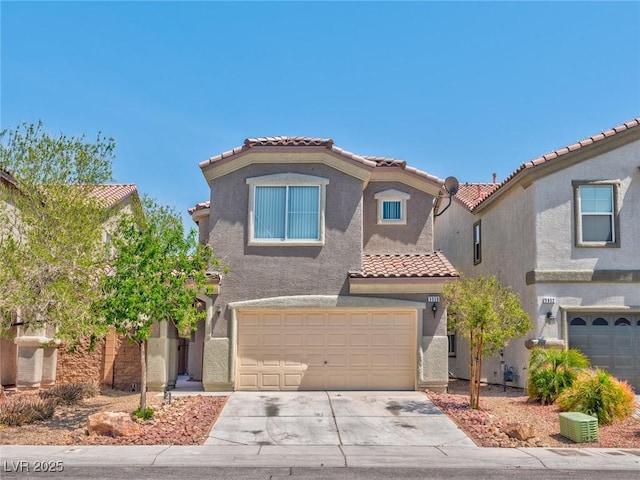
x,y
479,350
143,376
471,368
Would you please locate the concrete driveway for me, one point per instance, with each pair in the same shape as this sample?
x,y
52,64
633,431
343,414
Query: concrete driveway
x,y
334,418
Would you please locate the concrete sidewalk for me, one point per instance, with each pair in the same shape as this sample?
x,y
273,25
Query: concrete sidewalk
x,y
327,456
363,429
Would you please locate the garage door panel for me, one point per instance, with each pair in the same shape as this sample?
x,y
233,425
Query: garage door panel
x,y
315,359
358,339
248,381
337,319
315,320
293,320
381,339
293,360
615,348
270,381
359,319
271,360
326,350
315,340
271,340
272,320
293,340
336,339
292,380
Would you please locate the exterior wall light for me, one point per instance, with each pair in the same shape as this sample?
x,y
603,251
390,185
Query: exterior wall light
x,y
451,185
434,309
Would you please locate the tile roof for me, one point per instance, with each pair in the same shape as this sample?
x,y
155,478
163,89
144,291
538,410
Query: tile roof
x,y
386,161
112,194
425,265
471,194
288,141
283,141
557,155
199,206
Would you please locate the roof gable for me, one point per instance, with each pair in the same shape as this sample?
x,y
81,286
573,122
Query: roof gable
x,y
366,168
550,162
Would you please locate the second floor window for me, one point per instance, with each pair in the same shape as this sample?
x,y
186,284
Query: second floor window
x,y
596,206
286,209
287,213
477,243
392,207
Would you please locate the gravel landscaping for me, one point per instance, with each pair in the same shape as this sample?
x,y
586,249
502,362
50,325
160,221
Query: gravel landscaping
x,y
498,409
188,420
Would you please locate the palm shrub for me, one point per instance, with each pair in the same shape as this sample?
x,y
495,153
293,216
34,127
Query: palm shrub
x,y
597,393
551,371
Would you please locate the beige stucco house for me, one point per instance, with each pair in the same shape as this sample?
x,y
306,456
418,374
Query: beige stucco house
x,y
334,282
563,230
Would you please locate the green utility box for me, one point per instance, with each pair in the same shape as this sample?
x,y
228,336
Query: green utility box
x,y
579,427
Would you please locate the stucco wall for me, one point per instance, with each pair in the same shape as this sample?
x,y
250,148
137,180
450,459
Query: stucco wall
x,y
555,218
414,237
508,252
270,271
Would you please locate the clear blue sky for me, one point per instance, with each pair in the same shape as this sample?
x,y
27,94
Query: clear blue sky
x,y
462,89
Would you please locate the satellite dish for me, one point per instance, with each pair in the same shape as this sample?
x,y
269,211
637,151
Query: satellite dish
x,y
451,185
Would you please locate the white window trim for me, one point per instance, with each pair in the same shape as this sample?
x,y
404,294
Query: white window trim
x,y
392,195
286,180
615,225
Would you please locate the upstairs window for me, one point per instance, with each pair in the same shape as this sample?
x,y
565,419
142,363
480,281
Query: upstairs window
x,y
596,214
286,209
392,207
477,243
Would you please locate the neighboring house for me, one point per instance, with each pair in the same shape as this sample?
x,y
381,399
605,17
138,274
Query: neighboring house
x,y
333,283
113,363
563,230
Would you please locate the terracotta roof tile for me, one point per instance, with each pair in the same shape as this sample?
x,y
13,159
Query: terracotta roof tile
x,y
471,194
426,265
557,155
199,206
387,161
112,194
288,141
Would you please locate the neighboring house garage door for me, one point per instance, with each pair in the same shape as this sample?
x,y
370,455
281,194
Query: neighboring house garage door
x,y
611,341
326,350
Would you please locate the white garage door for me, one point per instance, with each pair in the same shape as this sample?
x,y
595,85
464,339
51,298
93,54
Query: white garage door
x,y
330,350
611,341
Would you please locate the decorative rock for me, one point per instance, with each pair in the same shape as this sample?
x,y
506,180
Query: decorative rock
x,y
112,424
519,431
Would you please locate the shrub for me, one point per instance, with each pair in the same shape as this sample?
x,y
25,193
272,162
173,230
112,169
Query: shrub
x,y
597,393
144,414
551,371
22,409
70,393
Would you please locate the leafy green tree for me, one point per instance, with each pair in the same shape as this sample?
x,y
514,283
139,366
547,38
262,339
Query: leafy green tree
x,y
489,315
51,230
155,275
551,371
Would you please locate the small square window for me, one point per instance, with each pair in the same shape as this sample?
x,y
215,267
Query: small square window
x,y
392,207
596,214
